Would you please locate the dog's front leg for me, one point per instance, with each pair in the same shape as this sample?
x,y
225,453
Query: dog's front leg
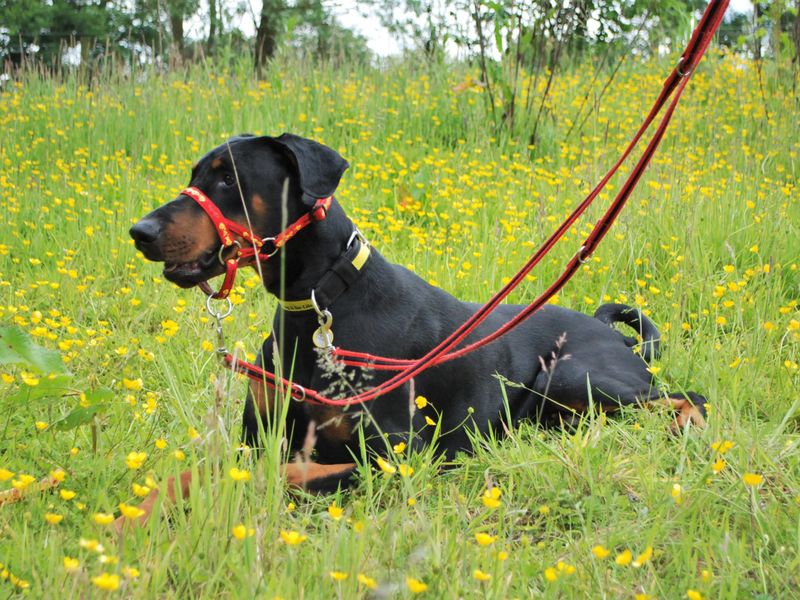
x,y
148,504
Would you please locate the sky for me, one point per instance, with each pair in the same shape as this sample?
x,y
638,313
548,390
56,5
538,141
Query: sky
x,y
384,44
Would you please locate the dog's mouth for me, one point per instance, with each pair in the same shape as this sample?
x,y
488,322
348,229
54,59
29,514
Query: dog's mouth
x,y
189,274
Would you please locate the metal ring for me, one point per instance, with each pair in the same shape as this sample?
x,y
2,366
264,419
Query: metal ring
x,y
302,389
579,255
271,240
215,314
222,248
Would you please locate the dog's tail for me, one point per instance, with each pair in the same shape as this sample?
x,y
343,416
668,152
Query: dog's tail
x,y
633,317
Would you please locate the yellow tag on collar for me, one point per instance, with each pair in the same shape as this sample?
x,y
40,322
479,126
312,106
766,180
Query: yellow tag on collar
x,y
296,305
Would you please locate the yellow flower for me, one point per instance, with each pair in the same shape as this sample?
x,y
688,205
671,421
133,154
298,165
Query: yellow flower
x,y
140,490
181,455
421,402
544,509
484,539
91,545
5,474
502,555
550,574
239,474
368,582
677,493
624,558
132,384
415,585
722,446
405,470
600,552
134,460
491,497
22,482
71,564
67,494
338,575
718,465
480,575
106,582
694,595
130,572
130,512
752,479
292,538
41,425
29,379
53,518
161,443
193,433
387,468
643,557
241,532
169,327
399,448
430,421
335,511
103,518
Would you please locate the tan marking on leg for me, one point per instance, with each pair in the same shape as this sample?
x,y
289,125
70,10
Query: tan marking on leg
x,y
685,412
299,474
263,397
148,504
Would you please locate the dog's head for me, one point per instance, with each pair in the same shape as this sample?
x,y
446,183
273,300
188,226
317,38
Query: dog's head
x,y
245,175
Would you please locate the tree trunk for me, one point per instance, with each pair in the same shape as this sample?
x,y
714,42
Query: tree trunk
x,y
213,20
176,25
267,33
796,35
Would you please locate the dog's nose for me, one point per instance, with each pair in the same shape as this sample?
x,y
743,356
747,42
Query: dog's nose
x,y
146,231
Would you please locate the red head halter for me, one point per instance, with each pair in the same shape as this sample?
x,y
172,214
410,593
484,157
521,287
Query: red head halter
x,y
227,229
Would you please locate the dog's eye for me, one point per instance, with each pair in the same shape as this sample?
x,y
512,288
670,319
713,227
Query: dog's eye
x,y
229,179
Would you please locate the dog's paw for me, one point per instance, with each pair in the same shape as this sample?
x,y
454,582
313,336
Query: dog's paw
x,y
689,410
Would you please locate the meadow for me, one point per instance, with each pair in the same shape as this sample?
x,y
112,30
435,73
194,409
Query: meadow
x,y
612,507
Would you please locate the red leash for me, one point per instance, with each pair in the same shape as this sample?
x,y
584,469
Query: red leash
x,y
676,82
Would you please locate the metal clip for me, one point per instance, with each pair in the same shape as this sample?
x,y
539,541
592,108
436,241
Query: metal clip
x,y
322,336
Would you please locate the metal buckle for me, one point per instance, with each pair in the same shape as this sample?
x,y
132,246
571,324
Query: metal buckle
x,y
356,235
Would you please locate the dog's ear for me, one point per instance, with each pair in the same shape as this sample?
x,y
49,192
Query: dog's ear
x,y
319,167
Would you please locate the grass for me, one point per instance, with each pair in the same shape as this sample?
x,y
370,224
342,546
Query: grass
x,y
707,246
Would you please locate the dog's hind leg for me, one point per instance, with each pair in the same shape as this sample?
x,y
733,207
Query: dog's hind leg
x,y
690,409
318,478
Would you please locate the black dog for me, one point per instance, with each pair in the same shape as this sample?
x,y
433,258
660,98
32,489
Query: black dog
x,y
564,360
